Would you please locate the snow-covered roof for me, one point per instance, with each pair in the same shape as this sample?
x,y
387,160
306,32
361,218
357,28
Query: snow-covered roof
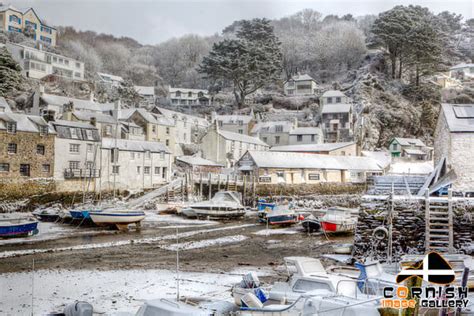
x,y
336,108
4,7
99,117
312,147
109,77
241,138
305,131
190,118
73,124
304,77
79,104
405,167
409,141
24,122
459,117
125,114
134,145
288,160
233,119
383,158
145,90
4,106
186,90
461,66
333,93
198,161
412,151
270,127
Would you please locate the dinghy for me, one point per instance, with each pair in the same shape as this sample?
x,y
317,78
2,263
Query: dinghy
x,y
47,215
338,220
119,218
224,205
311,224
18,228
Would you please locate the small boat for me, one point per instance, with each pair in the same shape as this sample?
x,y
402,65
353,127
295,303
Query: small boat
x,y
224,204
119,218
280,215
338,220
342,249
18,228
311,224
167,307
82,214
47,215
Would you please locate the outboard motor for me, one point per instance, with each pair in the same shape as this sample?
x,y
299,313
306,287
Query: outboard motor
x,y
79,309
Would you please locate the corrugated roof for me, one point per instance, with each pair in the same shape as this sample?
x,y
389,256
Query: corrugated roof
x,y
134,145
311,147
458,123
287,160
305,131
409,141
186,90
100,117
333,93
24,123
198,161
78,103
242,138
145,90
336,108
233,119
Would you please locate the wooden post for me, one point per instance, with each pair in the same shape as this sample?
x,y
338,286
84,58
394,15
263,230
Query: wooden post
x,y
450,221
244,189
219,182
210,185
200,185
427,220
227,185
254,189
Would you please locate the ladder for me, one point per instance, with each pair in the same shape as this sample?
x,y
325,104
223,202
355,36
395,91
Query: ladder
x,y
439,224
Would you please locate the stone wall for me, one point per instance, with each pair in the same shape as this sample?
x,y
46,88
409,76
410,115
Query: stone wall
x,y
408,227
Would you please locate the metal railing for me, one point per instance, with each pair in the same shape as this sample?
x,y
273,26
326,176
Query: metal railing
x,y
70,173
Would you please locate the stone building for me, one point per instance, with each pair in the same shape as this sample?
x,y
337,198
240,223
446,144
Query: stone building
x,y
187,97
337,122
27,147
334,149
294,168
198,165
273,133
241,124
305,135
226,147
454,141
76,157
410,148
333,97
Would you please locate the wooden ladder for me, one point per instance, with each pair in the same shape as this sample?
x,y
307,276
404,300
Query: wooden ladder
x,y
439,225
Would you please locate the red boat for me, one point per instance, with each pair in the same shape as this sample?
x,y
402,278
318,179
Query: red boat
x,y
338,221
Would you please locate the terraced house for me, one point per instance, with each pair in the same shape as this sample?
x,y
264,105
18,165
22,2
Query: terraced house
x,y
28,22
26,147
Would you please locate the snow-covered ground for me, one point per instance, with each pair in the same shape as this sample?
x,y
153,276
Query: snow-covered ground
x,y
411,167
277,231
108,291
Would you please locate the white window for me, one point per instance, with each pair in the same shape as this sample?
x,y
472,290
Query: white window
x,y
74,148
11,127
132,155
46,168
162,155
146,170
43,130
12,148
115,169
74,133
74,164
157,170
147,154
108,130
89,134
90,148
138,169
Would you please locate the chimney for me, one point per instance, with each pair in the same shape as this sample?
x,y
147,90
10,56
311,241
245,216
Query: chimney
x,y
295,122
41,89
91,97
93,121
215,125
117,109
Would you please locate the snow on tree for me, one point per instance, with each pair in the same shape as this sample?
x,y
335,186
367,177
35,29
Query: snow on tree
x,y
11,79
250,61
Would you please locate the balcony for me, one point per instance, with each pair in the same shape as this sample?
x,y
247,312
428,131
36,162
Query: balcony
x,y
81,173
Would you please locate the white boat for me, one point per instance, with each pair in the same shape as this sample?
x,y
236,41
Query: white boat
x,y
119,218
224,204
165,307
338,220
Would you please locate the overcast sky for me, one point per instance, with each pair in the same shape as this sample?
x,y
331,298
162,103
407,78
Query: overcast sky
x,y
154,21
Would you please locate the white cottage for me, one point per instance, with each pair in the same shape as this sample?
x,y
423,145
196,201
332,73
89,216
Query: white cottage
x,y
300,85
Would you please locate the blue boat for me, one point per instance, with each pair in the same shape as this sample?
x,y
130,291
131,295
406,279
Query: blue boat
x,y
18,228
81,214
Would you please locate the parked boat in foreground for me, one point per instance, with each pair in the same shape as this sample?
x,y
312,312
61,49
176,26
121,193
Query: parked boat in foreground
x,y
18,228
119,218
338,220
224,205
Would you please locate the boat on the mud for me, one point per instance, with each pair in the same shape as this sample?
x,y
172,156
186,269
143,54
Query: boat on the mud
x,y
276,214
311,224
224,205
18,228
119,218
47,215
338,220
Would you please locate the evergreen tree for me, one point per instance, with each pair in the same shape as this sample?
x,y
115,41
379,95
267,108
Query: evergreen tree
x,y
10,74
250,61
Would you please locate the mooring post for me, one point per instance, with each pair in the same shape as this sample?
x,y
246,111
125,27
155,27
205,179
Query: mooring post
x,y
244,189
210,185
227,185
200,185
450,221
427,220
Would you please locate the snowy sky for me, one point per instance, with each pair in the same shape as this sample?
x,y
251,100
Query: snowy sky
x,y
154,21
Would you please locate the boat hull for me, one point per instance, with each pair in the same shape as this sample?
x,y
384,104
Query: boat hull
x,y
311,225
218,214
333,227
282,219
104,218
18,230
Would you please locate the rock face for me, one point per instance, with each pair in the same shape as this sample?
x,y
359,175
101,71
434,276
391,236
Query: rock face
x,y
408,228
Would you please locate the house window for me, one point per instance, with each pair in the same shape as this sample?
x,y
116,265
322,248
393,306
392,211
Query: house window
x,y
43,130
12,148
147,154
132,156
167,142
90,148
46,168
73,164
162,155
277,139
395,147
153,129
329,100
313,176
167,130
146,170
241,131
279,128
164,172
115,169
264,139
11,127
74,148
338,99
25,170
78,65
240,122
178,93
313,137
108,130
157,170
4,167
221,123
190,94
114,155
138,169
299,138
74,133
89,134
40,149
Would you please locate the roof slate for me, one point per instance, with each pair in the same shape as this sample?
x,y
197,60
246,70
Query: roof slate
x,y
336,108
457,124
78,103
134,145
311,147
198,161
242,138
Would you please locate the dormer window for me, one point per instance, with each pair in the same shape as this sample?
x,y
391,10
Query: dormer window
x,y
178,93
200,94
43,130
11,127
329,100
74,133
338,99
279,128
190,94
